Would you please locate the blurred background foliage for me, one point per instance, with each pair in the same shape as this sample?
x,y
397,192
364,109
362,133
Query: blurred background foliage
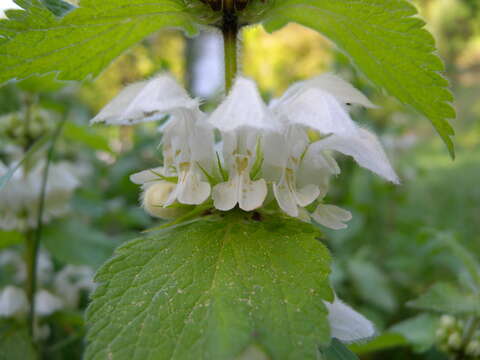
x,y
394,249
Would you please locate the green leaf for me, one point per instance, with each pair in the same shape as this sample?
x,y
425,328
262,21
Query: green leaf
x,y
84,41
419,331
58,7
15,344
9,238
338,351
211,288
86,136
382,342
39,144
388,43
372,284
448,298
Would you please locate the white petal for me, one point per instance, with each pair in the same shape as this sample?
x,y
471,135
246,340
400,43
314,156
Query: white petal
x,y
46,303
191,190
253,194
343,91
146,176
225,194
365,148
285,198
331,216
307,194
316,109
13,301
146,101
243,107
346,324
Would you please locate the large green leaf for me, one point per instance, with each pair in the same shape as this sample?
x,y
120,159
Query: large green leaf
x,y
85,40
387,42
211,288
448,298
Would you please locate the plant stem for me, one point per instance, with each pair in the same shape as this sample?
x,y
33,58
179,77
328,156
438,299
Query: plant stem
x,y
230,43
34,237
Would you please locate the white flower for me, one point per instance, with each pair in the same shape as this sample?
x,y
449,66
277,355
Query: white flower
x,y
10,258
46,303
242,120
286,145
13,302
19,197
346,324
188,141
146,101
70,281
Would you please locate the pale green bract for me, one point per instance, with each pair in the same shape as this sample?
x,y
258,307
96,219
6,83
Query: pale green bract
x,y
211,288
85,40
387,42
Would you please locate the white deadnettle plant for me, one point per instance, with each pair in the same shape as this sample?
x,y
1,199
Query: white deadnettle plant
x,y
286,146
57,291
20,196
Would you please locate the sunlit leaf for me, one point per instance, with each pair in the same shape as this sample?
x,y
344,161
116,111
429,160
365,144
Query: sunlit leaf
x,y
388,42
84,41
210,289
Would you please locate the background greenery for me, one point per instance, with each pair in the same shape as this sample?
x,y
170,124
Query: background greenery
x,y
399,241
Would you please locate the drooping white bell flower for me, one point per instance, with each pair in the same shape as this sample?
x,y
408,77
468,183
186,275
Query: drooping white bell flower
x,y
242,119
346,324
13,302
20,196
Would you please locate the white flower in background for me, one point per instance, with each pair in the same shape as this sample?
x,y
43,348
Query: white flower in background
x,y
70,281
19,197
12,262
46,303
346,324
13,302
287,145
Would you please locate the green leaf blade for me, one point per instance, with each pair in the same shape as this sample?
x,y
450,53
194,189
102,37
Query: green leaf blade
x,y
84,41
389,45
212,288
448,298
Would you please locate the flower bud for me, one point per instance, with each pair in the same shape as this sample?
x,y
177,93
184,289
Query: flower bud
x,y
155,197
455,341
473,348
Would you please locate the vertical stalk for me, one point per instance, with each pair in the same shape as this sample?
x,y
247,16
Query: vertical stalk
x,y
34,237
230,43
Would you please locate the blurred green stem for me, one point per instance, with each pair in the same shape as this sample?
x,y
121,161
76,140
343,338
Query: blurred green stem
x,y
230,43
34,237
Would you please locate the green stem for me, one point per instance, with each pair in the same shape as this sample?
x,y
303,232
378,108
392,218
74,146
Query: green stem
x,y
230,43
33,240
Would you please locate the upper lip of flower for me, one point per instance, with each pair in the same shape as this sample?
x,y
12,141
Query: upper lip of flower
x,y
287,141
